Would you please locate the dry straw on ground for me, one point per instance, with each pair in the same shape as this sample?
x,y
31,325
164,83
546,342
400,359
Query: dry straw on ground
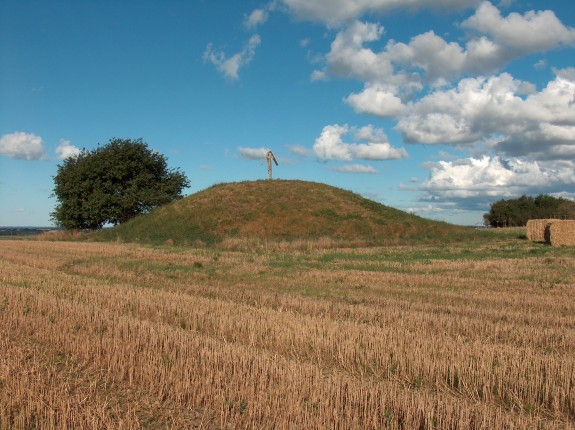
x,y
558,233
116,336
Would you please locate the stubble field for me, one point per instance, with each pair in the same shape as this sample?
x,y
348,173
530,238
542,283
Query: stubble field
x,y
277,336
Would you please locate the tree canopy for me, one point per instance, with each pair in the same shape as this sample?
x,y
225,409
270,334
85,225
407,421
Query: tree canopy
x,y
516,212
112,184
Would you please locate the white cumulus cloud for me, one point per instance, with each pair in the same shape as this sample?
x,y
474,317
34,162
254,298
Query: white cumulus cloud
x,y
495,177
482,108
402,67
351,59
24,146
430,53
65,149
535,31
331,146
376,100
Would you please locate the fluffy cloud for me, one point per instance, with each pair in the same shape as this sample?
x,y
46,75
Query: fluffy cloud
x,y
400,68
429,52
349,58
330,145
25,146
480,108
253,153
441,61
384,87
488,177
533,32
230,67
376,100
335,12
65,149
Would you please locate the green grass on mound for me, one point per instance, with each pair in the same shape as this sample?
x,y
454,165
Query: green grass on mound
x,y
280,210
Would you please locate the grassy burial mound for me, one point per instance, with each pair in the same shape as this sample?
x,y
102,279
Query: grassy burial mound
x,y
279,210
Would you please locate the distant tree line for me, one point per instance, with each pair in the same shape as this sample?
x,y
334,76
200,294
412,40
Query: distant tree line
x,y
516,212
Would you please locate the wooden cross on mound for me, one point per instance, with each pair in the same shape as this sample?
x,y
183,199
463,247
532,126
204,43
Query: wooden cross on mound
x,y
269,157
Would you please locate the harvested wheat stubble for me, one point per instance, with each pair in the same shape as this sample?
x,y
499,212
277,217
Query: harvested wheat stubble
x,y
116,336
559,233
536,229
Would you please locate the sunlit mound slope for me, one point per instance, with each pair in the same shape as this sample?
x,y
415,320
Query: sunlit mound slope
x,y
279,210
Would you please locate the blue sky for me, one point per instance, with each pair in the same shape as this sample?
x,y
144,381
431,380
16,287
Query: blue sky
x,y
439,108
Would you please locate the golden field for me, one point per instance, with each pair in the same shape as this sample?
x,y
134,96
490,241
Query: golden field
x,y
256,335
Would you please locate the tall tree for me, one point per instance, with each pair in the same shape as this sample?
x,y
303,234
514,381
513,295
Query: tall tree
x,y
112,184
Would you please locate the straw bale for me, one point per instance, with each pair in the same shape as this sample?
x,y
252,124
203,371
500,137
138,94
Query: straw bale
x,y
559,233
536,229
